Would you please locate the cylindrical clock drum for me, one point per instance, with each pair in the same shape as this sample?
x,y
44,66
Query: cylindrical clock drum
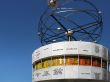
x,y
71,61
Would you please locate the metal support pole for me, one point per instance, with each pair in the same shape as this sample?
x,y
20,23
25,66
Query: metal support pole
x,y
69,38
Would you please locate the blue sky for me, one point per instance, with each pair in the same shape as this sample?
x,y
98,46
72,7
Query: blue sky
x,y
18,35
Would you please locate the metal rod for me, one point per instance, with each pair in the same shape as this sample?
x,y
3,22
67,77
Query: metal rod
x,y
59,22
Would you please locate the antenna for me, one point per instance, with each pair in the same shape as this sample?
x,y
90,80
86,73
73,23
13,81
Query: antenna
x,y
70,20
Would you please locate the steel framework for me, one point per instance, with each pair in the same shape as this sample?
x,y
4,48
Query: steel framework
x,y
70,20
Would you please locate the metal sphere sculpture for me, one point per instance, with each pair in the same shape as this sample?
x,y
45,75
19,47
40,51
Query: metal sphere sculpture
x,y
68,20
